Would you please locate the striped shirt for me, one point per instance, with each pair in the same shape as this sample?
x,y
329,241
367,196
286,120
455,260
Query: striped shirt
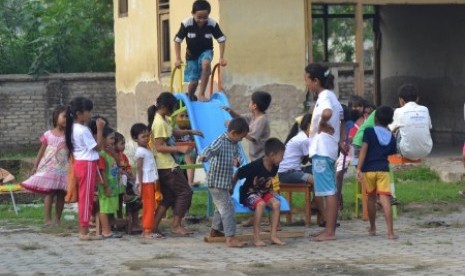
x,y
221,153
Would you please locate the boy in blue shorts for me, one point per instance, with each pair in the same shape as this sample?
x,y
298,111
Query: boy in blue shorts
x,y
199,31
373,167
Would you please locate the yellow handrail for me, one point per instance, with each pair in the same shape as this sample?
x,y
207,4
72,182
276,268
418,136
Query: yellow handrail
x,y
220,83
173,72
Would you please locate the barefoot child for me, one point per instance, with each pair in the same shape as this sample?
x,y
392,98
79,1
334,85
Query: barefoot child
x,y
199,31
50,167
373,166
259,128
84,148
257,191
327,133
173,184
146,178
223,154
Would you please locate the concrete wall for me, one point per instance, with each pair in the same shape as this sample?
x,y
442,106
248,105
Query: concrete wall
x,y
265,49
26,104
424,45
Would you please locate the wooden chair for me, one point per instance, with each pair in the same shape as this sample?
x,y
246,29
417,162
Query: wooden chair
x,y
288,189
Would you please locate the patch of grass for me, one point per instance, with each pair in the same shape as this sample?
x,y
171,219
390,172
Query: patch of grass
x,y
169,255
30,246
199,204
26,153
457,224
31,213
421,173
260,265
408,242
415,187
53,253
448,242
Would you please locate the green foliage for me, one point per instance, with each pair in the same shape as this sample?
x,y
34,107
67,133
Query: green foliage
x,y
417,174
341,34
56,36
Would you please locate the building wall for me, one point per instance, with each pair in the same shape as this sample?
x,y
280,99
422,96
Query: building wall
x,y
136,57
424,45
265,50
27,104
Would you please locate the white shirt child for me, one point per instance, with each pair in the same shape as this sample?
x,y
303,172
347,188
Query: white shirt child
x,y
414,124
149,167
83,143
296,149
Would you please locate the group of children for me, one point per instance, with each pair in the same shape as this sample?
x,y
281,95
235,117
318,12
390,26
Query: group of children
x,y
96,151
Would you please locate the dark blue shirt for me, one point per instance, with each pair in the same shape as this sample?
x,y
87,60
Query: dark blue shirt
x,y
249,172
377,155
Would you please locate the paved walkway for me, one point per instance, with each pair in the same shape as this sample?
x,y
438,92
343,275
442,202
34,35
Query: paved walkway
x,y
430,246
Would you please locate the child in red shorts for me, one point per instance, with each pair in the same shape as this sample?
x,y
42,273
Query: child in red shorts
x,y
257,191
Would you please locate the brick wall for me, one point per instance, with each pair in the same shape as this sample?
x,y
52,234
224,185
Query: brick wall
x,y
26,104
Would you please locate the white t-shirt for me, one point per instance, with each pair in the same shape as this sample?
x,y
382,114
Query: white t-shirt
x,y
324,144
83,143
296,149
414,124
149,167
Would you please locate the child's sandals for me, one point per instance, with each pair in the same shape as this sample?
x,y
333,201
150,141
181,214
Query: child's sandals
x,y
113,235
155,236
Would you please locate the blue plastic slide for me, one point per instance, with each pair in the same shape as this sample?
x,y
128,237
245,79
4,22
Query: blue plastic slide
x,y
211,119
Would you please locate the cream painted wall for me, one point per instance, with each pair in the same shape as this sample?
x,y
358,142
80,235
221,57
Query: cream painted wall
x,y
136,48
266,42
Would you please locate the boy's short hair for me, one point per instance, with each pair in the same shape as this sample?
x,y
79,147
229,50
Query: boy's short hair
x,y
262,99
201,5
274,145
408,92
137,129
238,125
384,115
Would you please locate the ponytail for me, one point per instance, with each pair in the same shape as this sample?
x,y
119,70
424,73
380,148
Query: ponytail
x,y
322,73
78,104
151,111
301,123
69,130
166,100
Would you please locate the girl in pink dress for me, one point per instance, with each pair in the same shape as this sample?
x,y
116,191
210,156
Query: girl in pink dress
x,y
51,167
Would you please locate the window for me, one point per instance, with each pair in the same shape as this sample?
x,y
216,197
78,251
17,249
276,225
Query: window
x,y
123,8
334,33
164,40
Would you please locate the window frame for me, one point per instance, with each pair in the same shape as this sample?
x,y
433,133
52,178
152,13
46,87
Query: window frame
x,y
123,8
163,15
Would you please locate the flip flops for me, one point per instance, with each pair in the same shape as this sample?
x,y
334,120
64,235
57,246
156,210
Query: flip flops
x,y
89,237
158,236
113,235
